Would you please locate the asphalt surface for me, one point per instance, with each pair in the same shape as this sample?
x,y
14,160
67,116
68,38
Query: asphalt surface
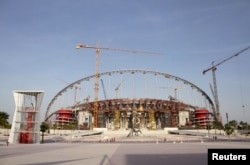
x,y
178,153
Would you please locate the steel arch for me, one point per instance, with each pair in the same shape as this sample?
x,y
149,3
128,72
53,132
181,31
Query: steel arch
x,y
169,76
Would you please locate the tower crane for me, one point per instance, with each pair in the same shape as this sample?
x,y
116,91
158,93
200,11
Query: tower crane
x,y
214,91
117,88
175,88
75,95
103,88
76,88
96,85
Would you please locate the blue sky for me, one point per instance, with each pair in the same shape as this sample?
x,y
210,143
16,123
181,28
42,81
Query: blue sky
x,y
38,40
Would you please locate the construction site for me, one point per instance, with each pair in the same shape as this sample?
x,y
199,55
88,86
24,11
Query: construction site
x,y
134,100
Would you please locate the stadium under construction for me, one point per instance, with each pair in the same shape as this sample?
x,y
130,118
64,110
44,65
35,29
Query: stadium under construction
x,y
170,101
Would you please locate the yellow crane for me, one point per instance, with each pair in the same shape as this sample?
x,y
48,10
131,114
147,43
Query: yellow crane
x,y
96,86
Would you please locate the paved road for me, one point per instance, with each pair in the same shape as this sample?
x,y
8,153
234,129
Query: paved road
x,y
194,153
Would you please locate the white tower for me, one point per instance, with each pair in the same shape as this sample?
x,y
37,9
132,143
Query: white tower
x,y
26,121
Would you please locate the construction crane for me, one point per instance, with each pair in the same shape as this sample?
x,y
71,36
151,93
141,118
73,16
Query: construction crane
x,y
75,95
214,90
175,90
117,88
103,88
76,89
96,86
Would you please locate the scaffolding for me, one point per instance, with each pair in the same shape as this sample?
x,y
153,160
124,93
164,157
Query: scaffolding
x,y
26,122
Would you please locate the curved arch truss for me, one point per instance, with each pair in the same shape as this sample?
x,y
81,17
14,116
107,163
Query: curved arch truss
x,y
156,97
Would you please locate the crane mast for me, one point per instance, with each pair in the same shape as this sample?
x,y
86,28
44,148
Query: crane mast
x,y
96,86
215,92
76,88
103,88
117,89
176,88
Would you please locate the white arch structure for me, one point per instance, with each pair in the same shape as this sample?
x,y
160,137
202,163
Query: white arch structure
x,y
136,83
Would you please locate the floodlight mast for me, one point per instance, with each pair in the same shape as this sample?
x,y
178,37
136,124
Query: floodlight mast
x,y
215,92
96,86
